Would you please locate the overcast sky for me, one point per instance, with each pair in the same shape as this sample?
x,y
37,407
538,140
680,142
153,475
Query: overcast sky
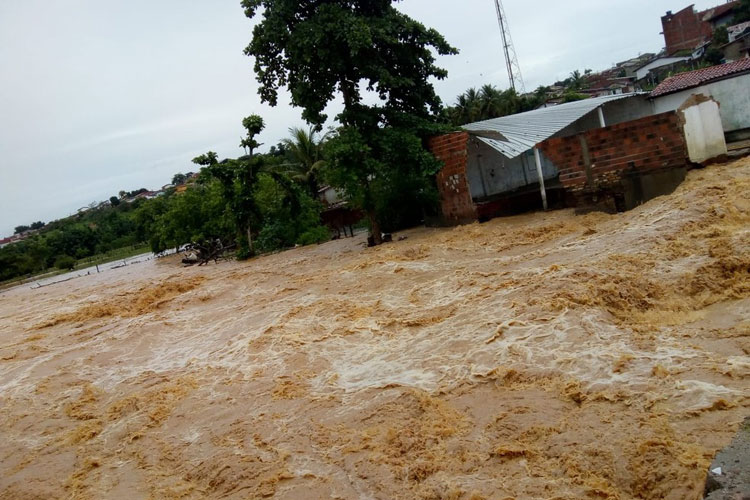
x,y
98,96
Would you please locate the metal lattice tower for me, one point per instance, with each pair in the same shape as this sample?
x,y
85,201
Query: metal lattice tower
x,y
511,59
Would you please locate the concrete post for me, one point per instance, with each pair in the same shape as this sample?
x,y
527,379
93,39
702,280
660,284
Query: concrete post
x,y
540,174
602,123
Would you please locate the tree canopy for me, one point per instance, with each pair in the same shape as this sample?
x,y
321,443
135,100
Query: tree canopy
x,y
490,102
379,60
234,203
179,179
316,49
742,12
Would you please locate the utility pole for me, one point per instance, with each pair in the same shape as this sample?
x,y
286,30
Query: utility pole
x,y
511,59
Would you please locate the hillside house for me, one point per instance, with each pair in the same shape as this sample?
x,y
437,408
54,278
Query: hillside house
x,y
687,29
739,42
728,84
612,152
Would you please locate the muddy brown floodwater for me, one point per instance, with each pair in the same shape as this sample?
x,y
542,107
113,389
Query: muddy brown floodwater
x,y
545,356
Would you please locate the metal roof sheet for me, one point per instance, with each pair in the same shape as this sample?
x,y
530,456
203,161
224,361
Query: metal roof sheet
x,y
523,131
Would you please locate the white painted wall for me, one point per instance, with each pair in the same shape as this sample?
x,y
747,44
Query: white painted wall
x,y
331,196
704,133
642,73
732,94
490,173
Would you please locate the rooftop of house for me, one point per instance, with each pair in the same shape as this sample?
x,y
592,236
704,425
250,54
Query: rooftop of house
x,y
692,79
704,15
718,11
738,31
513,135
663,60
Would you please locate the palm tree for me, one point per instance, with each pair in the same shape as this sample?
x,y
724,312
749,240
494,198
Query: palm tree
x,y
307,149
577,80
491,102
468,108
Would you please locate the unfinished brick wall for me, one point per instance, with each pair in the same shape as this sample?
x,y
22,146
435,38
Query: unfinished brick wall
x,y
685,30
599,158
455,197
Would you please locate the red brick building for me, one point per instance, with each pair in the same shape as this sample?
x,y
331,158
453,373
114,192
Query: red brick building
x,y
688,29
456,203
609,152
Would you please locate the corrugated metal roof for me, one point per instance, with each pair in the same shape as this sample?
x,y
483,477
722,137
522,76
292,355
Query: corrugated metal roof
x,y
521,132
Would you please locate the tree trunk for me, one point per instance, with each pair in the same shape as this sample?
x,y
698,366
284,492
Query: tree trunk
x,y
375,233
250,248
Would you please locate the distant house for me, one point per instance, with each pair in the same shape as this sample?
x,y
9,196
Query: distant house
x,y
728,84
17,237
147,195
687,29
643,71
739,42
738,30
611,152
737,49
621,86
329,196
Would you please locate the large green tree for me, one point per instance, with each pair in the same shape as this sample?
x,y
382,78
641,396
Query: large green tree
x,y
378,60
239,178
197,216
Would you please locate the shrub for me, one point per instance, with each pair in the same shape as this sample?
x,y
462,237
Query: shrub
x,y
318,234
65,262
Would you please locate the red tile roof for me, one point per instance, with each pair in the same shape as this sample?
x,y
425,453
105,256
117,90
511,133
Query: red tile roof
x,y
685,81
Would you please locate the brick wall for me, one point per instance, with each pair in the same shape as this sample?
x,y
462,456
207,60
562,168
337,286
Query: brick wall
x,y
455,198
598,159
685,30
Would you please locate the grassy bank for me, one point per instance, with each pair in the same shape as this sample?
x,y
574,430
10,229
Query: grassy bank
x,y
95,260
120,253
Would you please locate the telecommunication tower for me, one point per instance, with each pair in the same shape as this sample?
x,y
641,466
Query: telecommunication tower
x,y
511,59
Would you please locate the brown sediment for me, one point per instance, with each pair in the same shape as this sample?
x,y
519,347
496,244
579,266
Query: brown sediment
x,y
544,356
128,305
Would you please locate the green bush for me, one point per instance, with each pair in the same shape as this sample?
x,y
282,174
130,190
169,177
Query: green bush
x,y
275,236
318,234
65,262
290,216
714,56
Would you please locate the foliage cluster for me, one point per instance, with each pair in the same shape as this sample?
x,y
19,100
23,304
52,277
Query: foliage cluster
x,y
95,231
381,62
489,102
742,12
283,214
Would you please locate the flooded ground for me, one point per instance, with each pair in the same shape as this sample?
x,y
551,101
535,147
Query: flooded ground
x,y
545,356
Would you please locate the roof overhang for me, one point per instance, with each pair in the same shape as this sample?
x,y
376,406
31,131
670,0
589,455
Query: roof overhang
x,y
513,135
